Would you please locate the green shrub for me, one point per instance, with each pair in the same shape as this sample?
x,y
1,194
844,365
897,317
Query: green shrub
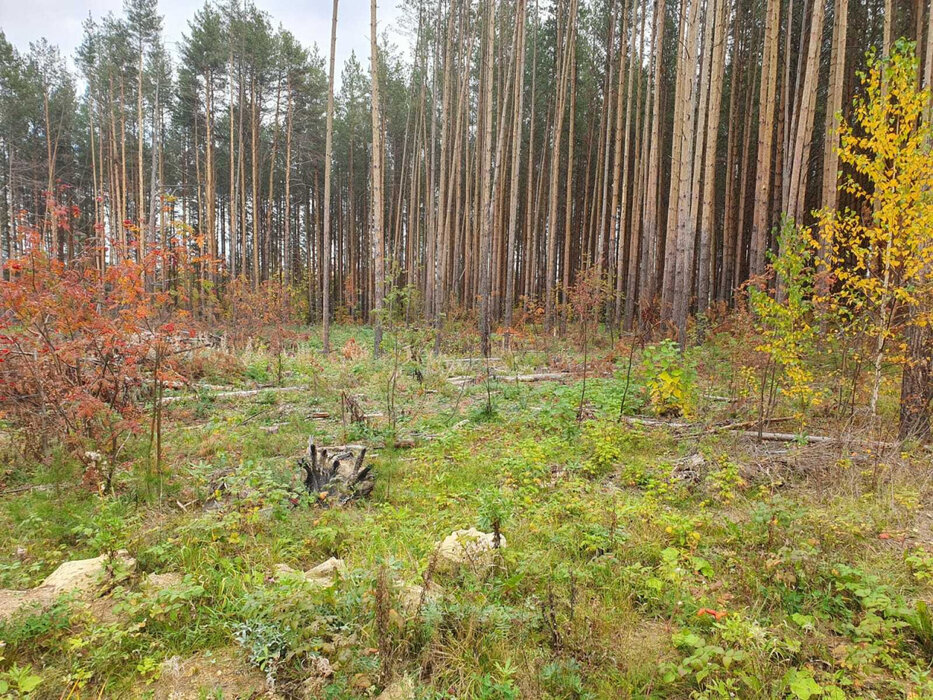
x,y
669,379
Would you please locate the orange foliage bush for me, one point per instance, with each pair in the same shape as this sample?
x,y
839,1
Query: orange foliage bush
x,y
352,350
80,348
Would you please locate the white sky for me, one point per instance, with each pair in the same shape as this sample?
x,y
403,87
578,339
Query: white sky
x,y
59,21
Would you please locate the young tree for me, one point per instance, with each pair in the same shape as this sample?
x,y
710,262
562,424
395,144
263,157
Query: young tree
x,y
880,254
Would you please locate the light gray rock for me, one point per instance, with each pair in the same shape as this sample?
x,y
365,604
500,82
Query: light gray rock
x,y
413,596
470,547
281,570
326,573
400,689
154,583
80,577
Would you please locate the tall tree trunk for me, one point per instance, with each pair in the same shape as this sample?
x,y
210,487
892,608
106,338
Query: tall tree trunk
x,y
708,211
686,231
443,217
568,187
652,229
288,255
804,124
254,163
140,204
378,209
156,148
517,101
761,220
621,170
486,178
599,250
837,75
241,179
328,157
209,170
267,262
636,231
684,85
50,203
528,253
232,208
566,58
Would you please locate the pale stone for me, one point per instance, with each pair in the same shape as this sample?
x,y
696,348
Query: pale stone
x,y
470,546
413,595
153,583
80,577
400,689
326,573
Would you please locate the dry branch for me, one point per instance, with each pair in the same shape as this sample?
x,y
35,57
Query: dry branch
x,y
471,360
542,377
511,378
739,429
237,394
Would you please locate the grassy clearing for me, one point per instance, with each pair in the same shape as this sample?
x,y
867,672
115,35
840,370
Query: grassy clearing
x,y
633,567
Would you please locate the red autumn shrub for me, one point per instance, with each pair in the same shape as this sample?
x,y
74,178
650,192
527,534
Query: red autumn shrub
x,y
82,350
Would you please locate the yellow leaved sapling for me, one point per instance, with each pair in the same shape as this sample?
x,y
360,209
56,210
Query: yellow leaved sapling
x,y
878,251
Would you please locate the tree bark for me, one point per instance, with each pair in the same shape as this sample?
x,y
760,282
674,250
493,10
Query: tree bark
x,y
328,157
378,212
708,211
517,102
761,220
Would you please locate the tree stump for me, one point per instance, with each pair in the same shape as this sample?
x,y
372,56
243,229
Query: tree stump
x,y
336,474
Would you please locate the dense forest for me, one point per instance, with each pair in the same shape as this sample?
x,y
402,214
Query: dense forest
x,y
659,142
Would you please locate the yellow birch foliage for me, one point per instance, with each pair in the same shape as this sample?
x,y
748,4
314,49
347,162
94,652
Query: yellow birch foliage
x,y
878,254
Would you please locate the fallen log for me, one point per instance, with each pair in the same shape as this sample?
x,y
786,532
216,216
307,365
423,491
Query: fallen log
x,y
753,423
541,377
512,378
471,360
738,429
787,437
236,394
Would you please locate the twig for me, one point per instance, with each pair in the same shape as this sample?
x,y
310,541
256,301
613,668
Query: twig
x,y
255,415
21,489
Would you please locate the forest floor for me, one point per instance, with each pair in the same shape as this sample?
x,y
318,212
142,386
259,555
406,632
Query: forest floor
x,y
637,560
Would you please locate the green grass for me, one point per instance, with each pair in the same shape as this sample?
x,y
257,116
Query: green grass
x,y
773,573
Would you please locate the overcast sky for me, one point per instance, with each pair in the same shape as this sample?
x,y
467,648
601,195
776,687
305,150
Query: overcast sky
x,y
59,21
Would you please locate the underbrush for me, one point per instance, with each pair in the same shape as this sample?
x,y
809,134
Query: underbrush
x,y
670,560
